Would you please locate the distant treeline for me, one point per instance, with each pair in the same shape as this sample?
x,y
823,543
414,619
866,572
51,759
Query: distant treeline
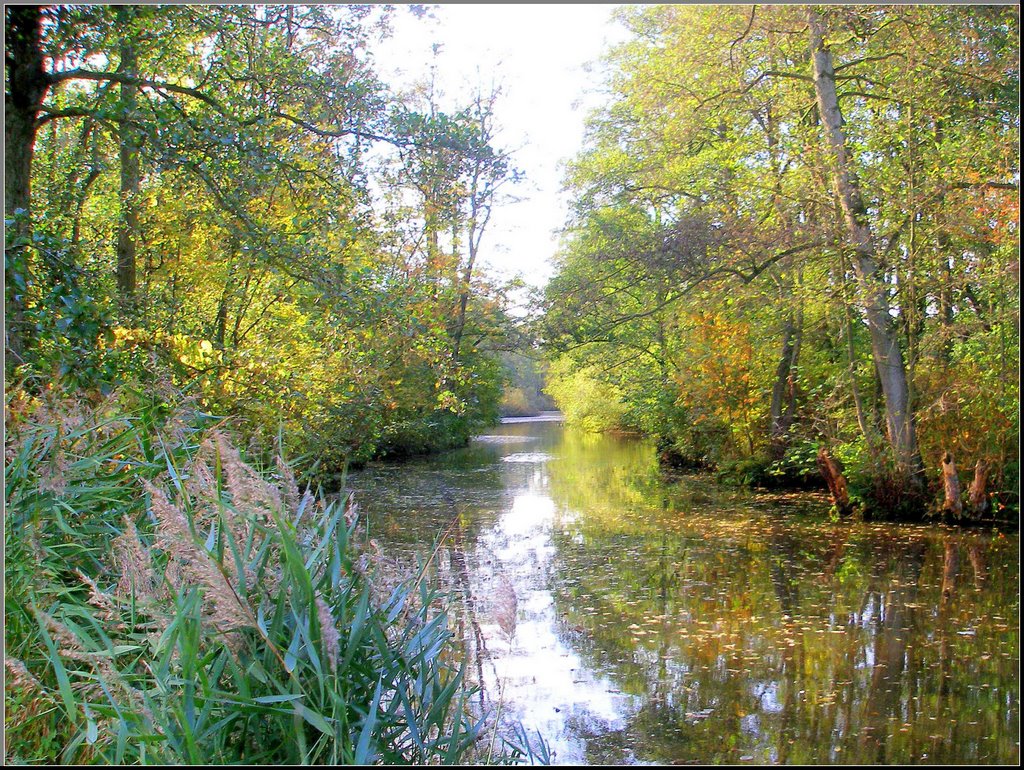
x,y
525,380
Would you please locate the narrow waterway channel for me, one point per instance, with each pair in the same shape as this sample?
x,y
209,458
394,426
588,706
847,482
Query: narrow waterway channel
x,y
631,617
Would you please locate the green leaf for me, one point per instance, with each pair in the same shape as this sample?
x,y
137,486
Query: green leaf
x,y
315,719
362,755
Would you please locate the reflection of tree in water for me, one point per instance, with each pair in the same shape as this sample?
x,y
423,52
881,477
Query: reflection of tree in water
x,y
894,584
783,546
736,631
779,639
464,608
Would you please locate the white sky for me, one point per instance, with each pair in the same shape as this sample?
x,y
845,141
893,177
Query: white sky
x,y
537,54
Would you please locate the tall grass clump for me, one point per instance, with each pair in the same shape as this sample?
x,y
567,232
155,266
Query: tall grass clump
x,y
167,603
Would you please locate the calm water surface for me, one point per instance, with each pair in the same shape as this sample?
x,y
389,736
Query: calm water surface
x,y
634,618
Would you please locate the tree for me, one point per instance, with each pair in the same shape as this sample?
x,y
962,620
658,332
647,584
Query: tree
x,y
843,184
885,346
27,84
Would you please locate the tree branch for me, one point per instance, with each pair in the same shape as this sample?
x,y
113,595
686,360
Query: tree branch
x,y
336,133
117,77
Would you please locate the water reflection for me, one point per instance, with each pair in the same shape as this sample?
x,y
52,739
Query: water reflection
x,y
633,618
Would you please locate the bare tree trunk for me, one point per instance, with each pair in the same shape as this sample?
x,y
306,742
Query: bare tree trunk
x,y
884,337
977,494
128,228
27,83
951,485
833,475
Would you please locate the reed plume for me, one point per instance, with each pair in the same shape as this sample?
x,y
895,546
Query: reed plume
x,y
248,490
506,607
224,607
20,676
328,632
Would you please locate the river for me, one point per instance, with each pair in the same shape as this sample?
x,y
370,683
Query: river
x,y
630,617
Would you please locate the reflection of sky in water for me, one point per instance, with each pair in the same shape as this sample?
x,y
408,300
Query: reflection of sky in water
x,y
675,622
499,439
546,686
527,457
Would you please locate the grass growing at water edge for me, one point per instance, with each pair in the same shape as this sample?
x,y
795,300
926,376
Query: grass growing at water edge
x,y
166,603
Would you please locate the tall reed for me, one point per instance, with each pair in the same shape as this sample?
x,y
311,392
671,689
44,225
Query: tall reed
x,y
168,603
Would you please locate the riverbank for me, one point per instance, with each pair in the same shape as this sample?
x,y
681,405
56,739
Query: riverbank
x,y
167,602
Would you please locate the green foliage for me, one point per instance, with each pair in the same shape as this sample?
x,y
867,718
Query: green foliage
x,y
523,394
703,273
271,282
66,326
584,399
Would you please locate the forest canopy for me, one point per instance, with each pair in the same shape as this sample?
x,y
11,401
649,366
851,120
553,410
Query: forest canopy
x,y
227,200
797,228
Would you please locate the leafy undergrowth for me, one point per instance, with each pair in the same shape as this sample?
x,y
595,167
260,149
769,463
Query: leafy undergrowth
x,y
166,603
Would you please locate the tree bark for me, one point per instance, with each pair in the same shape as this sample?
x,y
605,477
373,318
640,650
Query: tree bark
x,y
27,83
866,427
783,405
951,485
220,322
884,337
833,475
128,228
27,86
977,494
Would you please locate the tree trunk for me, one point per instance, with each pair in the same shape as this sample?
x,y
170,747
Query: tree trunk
x,y
27,86
866,427
129,156
27,83
946,301
833,475
220,322
466,282
977,495
951,485
884,337
783,403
